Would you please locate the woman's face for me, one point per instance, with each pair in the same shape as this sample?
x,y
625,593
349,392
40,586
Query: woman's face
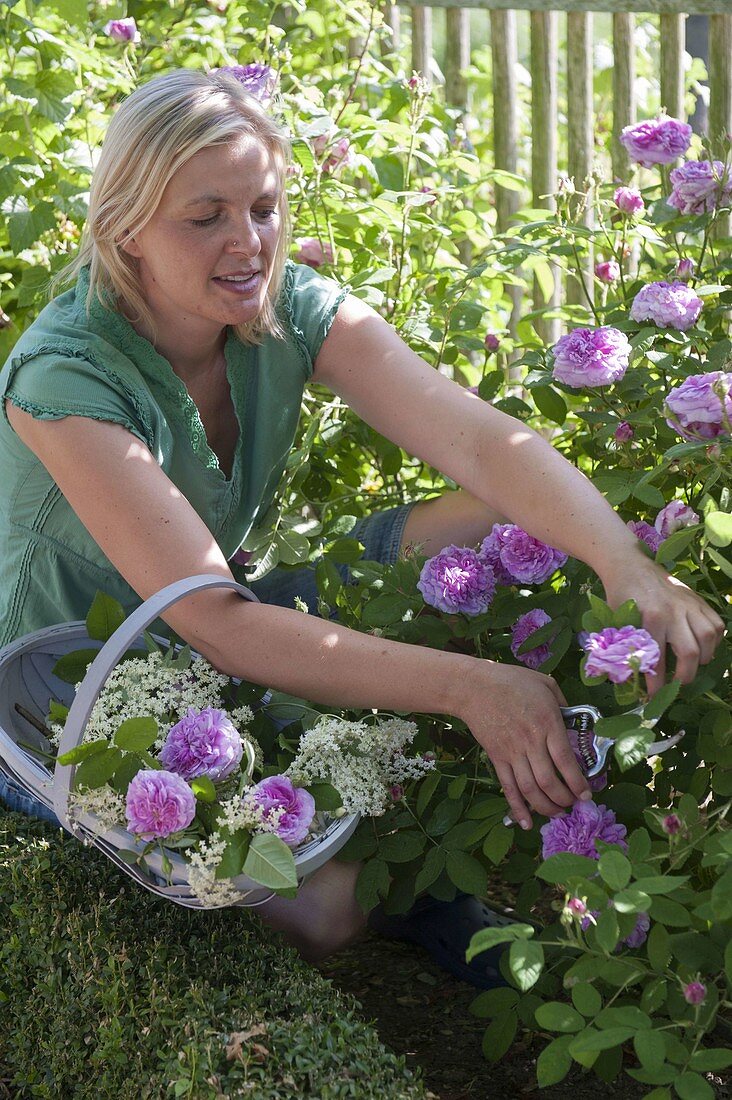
x,y
218,217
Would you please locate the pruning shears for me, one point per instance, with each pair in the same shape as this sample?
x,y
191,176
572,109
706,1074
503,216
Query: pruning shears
x,y
594,749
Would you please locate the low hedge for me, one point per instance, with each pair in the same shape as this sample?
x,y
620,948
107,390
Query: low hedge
x,y
106,991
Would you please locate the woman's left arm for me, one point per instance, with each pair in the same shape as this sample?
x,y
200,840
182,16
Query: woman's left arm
x,y
512,469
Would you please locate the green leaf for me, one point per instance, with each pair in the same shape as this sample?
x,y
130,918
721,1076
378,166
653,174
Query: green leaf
x,y
494,1002
556,1016
204,790
80,752
372,884
586,999
293,547
427,788
71,668
550,403
632,749
660,884
431,870
710,1061
623,1016
97,769
402,846
718,528
327,798
631,900
669,912
73,11
554,1062
491,937
722,897
27,226
662,700
673,547
105,615
444,816
234,854
385,609
497,843
614,869
649,494
457,786
607,933
591,1041
692,1086
526,962
136,734
650,1048
466,873
498,1037
564,866
270,862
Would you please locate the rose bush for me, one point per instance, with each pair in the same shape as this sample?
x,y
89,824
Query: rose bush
x,y
390,192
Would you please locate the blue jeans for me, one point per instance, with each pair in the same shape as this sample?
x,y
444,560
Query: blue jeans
x,y
381,535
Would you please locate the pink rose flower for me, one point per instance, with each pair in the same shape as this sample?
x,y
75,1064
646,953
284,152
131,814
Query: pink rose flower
x,y
673,517
629,201
313,253
122,30
607,271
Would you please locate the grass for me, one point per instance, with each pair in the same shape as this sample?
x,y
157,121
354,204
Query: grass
x,y
107,991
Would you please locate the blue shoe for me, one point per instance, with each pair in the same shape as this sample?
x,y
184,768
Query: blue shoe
x,y
444,929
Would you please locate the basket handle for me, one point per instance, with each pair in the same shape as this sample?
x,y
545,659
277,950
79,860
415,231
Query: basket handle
x,y
96,676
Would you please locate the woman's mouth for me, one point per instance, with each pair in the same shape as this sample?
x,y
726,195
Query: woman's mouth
x,y
241,285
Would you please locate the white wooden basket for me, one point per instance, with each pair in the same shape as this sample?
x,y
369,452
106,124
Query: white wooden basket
x,y
26,678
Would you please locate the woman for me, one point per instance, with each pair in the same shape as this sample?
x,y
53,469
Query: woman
x,y
148,414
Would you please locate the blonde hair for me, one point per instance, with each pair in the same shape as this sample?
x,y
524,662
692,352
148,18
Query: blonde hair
x,y
153,133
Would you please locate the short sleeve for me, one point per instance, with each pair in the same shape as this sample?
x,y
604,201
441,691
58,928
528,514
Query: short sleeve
x,y
51,386
311,302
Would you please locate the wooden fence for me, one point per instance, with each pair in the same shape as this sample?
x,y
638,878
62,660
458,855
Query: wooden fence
x,y
544,66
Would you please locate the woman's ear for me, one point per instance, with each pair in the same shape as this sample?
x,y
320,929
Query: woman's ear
x,y
129,244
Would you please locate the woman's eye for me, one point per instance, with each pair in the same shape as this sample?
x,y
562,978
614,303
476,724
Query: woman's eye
x,y
205,221
269,212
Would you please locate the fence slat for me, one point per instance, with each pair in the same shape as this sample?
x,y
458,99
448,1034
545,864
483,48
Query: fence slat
x,y
580,132
504,53
720,92
457,56
623,90
422,42
672,64
392,19
652,7
544,141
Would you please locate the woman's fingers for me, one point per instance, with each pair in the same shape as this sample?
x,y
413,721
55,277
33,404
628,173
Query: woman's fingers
x,y
566,764
517,806
708,629
540,786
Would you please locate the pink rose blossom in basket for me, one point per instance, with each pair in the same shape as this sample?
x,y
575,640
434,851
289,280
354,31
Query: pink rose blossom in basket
x,y
159,803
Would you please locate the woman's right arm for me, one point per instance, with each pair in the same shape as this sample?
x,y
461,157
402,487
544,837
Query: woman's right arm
x,y
153,536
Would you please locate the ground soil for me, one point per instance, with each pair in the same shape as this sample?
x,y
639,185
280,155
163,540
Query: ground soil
x,y
423,1013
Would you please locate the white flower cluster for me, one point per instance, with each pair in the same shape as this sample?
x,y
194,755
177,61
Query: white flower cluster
x,y
107,806
361,760
202,873
238,813
143,685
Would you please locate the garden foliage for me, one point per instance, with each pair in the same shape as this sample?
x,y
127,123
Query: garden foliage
x,y
394,193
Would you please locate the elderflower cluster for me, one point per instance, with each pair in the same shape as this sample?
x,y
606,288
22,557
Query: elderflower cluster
x,y
202,873
237,813
363,761
143,685
107,806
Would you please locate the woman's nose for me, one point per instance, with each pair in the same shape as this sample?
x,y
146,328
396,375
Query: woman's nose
x,y
246,239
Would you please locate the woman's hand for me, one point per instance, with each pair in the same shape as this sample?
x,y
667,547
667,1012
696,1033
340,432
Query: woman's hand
x,y
514,714
672,613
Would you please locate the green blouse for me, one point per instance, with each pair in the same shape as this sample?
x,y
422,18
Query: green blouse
x,y
66,364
